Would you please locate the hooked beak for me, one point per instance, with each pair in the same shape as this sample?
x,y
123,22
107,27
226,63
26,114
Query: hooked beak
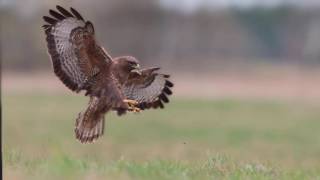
x,y
136,69
137,66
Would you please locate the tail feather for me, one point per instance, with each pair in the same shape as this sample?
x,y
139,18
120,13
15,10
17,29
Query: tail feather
x,y
87,134
89,124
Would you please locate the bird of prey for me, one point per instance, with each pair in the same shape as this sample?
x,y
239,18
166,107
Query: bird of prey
x,y
113,84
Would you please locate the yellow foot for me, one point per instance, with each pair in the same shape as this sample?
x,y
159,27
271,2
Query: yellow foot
x,y
131,102
134,109
132,105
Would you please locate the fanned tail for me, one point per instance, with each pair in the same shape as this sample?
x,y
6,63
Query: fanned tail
x,y
90,123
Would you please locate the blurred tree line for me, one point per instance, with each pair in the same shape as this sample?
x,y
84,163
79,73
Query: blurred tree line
x,y
152,33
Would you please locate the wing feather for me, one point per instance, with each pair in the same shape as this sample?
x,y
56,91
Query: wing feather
x,y
56,15
76,13
150,89
75,55
49,20
64,11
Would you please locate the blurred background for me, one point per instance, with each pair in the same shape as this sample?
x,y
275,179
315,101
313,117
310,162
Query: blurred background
x,y
236,47
246,74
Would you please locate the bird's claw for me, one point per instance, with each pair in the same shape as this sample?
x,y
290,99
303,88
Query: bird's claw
x,y
134,109
132,105
131,102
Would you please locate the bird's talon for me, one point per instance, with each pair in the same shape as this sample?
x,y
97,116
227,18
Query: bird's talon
x,y
134,109
132,105
131,102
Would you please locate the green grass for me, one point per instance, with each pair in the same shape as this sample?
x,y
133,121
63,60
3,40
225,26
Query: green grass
x,y
190,139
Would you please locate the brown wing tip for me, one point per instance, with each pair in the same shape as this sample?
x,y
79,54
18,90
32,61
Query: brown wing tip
x,y
76,13
162,98
155,69
60,15
49,20
169,83
64,11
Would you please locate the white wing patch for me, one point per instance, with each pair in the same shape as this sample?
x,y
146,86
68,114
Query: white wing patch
x,y
68,59
142,93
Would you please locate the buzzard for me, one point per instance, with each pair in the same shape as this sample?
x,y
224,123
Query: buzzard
x,y
113,84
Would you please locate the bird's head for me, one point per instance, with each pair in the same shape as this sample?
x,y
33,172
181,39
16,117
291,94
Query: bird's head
x,y
128,64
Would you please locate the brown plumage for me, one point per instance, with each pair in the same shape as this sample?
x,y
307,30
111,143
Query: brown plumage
x,y
112,84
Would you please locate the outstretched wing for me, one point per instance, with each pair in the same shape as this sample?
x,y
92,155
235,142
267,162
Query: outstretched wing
x,y
149,89
75,55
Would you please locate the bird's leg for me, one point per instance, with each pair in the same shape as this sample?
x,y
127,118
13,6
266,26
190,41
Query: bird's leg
x,y
132,105
130,102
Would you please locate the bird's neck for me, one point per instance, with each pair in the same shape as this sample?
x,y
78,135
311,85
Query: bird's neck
x,y
121,74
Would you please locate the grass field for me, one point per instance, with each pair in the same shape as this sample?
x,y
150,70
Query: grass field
x,y
190,139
